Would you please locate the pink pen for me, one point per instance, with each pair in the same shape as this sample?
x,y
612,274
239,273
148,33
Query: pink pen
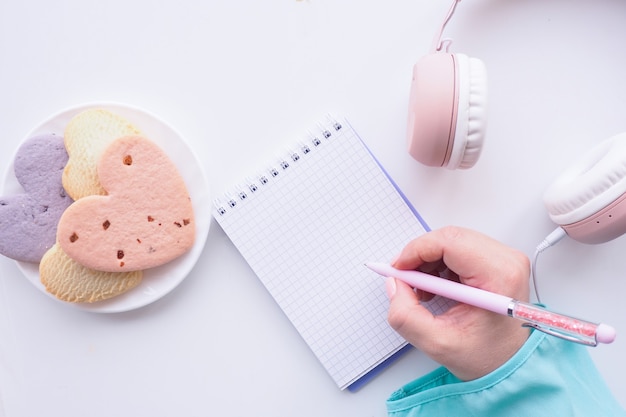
x,y
555,324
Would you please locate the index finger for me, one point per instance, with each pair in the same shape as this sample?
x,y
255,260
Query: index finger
x,y
477,259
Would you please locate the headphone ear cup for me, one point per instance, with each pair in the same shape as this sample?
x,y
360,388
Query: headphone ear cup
x,y
588,200
447,110
471,122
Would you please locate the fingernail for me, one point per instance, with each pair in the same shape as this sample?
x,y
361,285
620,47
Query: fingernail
x,y
390,286
395,258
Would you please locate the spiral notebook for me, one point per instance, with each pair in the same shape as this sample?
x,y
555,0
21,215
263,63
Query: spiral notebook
x,y
306,225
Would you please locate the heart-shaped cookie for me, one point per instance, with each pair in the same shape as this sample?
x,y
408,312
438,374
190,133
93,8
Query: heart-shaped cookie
x,y
28,221
69,281
86,136
145,220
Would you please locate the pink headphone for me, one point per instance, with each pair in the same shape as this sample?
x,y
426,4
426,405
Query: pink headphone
x,y
446,127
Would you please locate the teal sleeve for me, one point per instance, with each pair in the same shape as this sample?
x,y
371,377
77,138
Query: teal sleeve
x,y
548,376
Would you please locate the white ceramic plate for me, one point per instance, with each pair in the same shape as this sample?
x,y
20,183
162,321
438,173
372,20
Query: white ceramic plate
x,y
157,281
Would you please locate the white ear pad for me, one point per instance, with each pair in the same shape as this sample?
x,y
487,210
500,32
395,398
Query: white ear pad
x,y
588,200
447,110
471,121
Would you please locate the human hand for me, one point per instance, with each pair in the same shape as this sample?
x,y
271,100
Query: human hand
x,y
469,341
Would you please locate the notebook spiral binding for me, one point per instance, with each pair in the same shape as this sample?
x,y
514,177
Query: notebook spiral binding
x,y
230,200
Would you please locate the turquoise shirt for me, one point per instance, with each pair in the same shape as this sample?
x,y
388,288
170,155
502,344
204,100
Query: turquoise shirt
x,y
548,376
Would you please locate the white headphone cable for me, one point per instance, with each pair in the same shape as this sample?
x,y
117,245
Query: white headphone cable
x,y
440,43
550,240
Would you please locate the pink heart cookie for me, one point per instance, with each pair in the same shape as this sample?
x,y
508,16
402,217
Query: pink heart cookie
x,y
145,220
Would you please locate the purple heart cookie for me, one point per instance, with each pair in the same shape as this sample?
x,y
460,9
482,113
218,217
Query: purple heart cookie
x,y
28,222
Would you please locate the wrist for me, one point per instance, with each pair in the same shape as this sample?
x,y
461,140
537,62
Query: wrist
x,y
485,359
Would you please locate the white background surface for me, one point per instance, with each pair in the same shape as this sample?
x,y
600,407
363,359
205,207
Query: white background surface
x,y
240,78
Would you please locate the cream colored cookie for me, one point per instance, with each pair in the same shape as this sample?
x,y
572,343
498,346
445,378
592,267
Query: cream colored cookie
x,y
86,136
69,281
145,220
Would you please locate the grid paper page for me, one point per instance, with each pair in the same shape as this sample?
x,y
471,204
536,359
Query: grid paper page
x,y
306,227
